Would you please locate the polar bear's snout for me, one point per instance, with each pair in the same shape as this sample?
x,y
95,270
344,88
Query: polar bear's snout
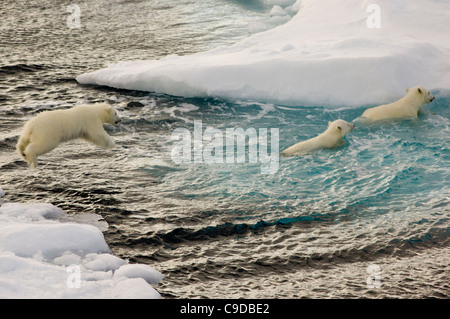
x,y
114,118
352,126
429,98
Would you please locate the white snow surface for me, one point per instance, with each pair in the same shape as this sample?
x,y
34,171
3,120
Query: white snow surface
x,y
42,257
332,52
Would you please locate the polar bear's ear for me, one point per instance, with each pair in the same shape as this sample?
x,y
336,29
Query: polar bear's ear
x,y
329,123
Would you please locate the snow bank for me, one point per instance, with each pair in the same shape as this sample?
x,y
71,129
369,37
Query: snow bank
x,y
330,53
40,257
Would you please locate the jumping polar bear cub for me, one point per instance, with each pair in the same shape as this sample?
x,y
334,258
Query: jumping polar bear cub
x,y
407,106
331,138
48,129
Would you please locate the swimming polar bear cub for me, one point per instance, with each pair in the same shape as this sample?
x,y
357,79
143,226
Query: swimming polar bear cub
x,y
48,129
407,106
331,138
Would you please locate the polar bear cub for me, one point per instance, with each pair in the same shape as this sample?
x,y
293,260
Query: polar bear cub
x,y
407,106
48,129
331,138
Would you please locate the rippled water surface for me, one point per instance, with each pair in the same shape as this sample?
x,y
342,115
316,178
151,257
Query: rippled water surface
x,y
223,230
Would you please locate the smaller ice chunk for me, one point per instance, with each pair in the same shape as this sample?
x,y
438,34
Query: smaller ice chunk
x,y
67,259
149,274
136,288
31,211
51,240
41,258
97,275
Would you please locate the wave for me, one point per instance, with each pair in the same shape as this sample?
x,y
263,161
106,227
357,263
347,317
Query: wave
x,y
265,233
327,54
21,68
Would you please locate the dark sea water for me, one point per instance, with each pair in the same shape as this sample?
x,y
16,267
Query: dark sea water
x,y
367,220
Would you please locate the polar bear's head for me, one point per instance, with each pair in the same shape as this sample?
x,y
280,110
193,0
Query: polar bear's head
x,y
422,93
340,127
111,115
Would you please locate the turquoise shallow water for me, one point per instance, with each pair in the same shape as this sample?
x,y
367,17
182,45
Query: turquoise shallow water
x,y
384,167
225,230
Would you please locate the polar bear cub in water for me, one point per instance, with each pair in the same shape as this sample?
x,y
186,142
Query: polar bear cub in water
x,y
48,129
407,106
331,138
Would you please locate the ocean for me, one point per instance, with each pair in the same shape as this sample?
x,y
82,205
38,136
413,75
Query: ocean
x,y
367,220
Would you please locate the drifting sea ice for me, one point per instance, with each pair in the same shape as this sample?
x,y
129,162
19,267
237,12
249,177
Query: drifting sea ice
x,y
41,257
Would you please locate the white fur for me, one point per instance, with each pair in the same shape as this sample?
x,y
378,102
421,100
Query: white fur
x,y
408,106
48,129
331,138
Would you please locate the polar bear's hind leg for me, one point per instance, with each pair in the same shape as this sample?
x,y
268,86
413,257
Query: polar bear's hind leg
x,y
36,148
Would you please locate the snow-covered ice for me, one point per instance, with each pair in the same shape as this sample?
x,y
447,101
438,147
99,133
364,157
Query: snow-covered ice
x,y
43,257
139,271
332,52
